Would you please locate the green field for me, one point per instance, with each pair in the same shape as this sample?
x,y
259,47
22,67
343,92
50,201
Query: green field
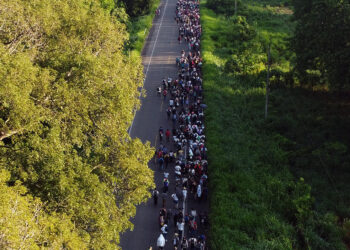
x,y
280,182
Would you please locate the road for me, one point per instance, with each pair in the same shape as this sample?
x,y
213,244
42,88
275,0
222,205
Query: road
x,y
159,55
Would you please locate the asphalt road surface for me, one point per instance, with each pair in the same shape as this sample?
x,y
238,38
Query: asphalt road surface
x,y
159,56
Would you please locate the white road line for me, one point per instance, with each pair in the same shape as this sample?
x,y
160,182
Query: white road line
x,y
150,60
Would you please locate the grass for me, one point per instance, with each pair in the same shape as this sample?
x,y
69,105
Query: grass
x,y
279,183
139,28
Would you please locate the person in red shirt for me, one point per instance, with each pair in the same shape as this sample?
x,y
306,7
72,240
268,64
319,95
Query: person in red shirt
x,y
167,135
165,92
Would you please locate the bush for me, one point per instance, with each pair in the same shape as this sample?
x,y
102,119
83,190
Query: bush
x,y
258,198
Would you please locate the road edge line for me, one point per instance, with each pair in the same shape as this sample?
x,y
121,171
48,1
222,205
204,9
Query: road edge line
x,y
150,60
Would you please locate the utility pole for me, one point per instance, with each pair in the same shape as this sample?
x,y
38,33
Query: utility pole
x,y
235,7
267,80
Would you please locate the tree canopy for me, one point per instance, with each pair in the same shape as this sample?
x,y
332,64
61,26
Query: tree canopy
x,y
67,96
322,42
137,7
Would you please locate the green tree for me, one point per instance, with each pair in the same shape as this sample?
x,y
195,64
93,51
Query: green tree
x,y
137,7
226,7
67,96
108,5
24,223
322,42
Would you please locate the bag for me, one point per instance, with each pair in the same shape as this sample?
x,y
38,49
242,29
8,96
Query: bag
x,y
192,242
161,241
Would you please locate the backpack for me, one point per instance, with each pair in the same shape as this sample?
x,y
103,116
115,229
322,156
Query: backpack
x,y
192,242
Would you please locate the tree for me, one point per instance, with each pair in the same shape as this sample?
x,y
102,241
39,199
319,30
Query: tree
x,y
227,7
67,95
24,223
322,41
108,5
137,7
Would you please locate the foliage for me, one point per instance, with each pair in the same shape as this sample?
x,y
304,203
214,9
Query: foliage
x,y
322,42
67,96
108,5
226,7
139,28
259,199
25,225
138,7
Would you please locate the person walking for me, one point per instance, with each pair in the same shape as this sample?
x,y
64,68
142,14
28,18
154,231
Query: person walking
x,y
164,195
161,242
164,230
165,185
176,240
161,133
155,195
167,135
193,213
171,156
166,160
165,92
161,163
175,200
192,242
199,192
184,193
180,226
193,227
174,118
168,112
169,214
184,244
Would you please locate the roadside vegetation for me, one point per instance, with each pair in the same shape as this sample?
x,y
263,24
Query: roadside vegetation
x,y
280,182
138,16
139,28
70,175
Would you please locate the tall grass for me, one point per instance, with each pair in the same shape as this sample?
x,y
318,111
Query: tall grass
x,y
258,200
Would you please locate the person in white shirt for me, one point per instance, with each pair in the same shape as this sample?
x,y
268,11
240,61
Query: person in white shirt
x,y
193,213
184,193
178,170
175,200
180,227
166,175
199,192
164,230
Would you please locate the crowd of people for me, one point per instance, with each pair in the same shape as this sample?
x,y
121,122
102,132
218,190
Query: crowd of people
x,y
182,146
